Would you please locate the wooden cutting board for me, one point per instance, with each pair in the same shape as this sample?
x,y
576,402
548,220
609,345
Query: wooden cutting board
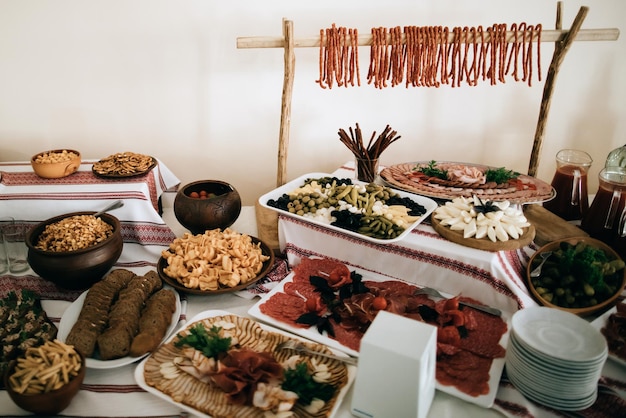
x,y
484,243
550,227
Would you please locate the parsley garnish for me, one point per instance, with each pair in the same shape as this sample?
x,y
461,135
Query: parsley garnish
x,y
500,175
208,342
432,170
300,382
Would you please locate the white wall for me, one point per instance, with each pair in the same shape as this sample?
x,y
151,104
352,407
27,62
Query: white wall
x,y
165,78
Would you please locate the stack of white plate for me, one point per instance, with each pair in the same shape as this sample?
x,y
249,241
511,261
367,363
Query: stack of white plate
x,y
555,358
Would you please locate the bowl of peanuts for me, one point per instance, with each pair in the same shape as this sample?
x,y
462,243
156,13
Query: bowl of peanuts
x,y
76,249
56,163
207,204
46,378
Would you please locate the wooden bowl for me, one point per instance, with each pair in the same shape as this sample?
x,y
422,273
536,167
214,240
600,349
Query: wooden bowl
x,y
219,209
49,403
78,269
58,163
600,305
267,266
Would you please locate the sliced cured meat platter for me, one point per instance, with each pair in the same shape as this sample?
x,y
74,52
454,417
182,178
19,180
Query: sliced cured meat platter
x,y
525,189
483,243
313,334
265,334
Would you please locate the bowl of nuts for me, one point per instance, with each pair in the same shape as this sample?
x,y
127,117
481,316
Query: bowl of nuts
x,y
56,163
46,378
74,250
207,204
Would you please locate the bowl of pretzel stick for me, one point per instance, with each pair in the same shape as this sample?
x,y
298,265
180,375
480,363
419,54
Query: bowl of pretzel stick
x,y
46,378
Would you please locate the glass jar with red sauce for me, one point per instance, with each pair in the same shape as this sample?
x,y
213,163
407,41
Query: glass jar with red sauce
x,y
606,218
570,183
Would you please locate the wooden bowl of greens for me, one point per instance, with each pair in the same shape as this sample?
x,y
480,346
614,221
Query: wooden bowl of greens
x,y
582,275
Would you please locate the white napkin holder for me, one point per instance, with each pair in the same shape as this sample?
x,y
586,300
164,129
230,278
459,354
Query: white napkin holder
x,y
396,373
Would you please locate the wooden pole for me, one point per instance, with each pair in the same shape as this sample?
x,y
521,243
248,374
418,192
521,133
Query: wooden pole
x,y
606,34
285,112
560,49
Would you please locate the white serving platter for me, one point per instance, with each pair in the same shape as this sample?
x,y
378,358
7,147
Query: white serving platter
x,y
311,333
429,204
139,371
70,317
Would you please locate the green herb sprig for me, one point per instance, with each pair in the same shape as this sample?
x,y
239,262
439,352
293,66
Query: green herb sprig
x,y
209,342
300,381
432,170
500,175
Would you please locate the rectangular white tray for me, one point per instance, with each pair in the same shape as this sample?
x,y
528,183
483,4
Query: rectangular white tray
x,y
139,371
429,204
311,333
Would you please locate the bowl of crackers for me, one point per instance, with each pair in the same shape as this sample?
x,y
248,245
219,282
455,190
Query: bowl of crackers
x,y
207,204
46,378
215,262
123,164
56,163
76,249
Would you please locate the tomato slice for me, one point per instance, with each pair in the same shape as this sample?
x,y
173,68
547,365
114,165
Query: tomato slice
x,y
379,303
339,275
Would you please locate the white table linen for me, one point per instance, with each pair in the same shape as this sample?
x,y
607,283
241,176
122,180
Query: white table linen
x,y
114,392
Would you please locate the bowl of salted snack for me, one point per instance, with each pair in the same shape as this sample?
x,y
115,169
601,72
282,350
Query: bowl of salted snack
x,y
46,378
581,275
76,249
56,163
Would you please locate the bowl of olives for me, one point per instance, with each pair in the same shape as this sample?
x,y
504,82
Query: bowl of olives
x,y
580,275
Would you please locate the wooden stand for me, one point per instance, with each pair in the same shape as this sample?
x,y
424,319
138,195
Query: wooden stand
x,y
563,39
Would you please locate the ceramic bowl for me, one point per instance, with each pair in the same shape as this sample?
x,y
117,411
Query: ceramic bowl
x,y
75,269
207,204
545,288
56,163
49,403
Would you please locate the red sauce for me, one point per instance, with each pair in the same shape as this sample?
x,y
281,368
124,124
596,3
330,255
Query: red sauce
x,y
563,183
594,222
463,361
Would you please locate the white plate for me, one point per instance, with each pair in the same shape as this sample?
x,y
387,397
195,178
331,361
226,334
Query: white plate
x,y
70,317
311,333
558,334
599,323
429,204
213,313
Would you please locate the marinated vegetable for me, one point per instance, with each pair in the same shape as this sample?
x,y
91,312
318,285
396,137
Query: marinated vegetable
x,y
368,209
578,276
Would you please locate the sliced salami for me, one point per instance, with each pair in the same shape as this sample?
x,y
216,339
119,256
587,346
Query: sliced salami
x,y
408,177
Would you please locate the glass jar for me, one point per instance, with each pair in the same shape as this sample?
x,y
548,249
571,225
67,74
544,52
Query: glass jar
x,y
570,183
616,158
606,218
